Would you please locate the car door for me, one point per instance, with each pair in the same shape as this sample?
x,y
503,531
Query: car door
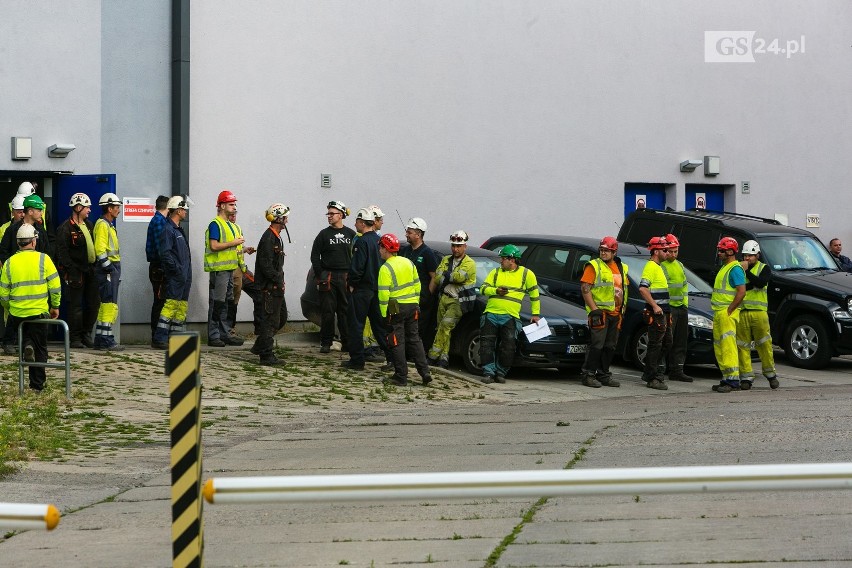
x,y
550,264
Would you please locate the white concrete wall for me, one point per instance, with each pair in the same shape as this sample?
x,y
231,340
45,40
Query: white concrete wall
x,y
511,116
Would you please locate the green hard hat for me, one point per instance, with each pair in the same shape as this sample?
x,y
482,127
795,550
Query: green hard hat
x,y
33,201
510,251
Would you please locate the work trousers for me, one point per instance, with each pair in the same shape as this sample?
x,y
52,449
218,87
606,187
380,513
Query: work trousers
x,y
753,333
237,287
725,345
497,344
604,338
270,304
108,311
364,304
449,314
77,295
156,277
427,325
221,290
659,343
334,303
35,335
172,319
680,338
404,338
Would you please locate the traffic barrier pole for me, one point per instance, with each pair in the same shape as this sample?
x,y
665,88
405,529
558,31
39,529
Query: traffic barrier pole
x,y
537,483
27,516
183,365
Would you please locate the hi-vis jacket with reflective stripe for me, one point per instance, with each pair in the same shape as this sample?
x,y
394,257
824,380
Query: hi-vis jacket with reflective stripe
x,y
29,284
654,279
106,244
723,294
226,259
603,288
756,298
398,280
519,282
678,288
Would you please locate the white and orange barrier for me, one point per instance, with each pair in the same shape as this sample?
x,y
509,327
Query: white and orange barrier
x,y
27,516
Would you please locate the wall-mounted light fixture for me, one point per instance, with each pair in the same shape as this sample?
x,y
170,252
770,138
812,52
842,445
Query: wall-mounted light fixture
x,y
22,148
60,150
690,165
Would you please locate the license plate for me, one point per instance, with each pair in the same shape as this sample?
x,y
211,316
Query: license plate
x,y
582,348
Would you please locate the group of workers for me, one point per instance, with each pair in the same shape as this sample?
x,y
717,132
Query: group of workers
x,y
739,303
404,299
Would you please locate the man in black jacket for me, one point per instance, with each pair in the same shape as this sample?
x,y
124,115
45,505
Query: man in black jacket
x,y
75,257
176,263
269,279
331,257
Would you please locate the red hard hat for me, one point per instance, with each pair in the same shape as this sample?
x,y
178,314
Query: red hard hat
x,y
390,242
657,243
728,243
225,196
672,240
609,243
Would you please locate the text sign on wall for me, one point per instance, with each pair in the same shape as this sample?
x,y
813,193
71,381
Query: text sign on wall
x,y
812,220
137,209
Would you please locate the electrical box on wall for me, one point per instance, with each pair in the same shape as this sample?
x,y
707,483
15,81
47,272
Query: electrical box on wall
x,y
22,148
325,181
746,187
712,165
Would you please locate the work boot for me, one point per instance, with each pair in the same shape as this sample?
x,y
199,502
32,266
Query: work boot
x,y
487,379
373,358
388,366
9,349
745,385
398,381
350,364
325,348
87,342
235,340
773,382
215,342
589,380
681,377
608,381
724,387
76,344
271,361
500,379
159,345
657,384
110,347
426,380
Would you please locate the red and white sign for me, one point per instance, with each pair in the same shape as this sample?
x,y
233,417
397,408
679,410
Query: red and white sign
x,y
137,209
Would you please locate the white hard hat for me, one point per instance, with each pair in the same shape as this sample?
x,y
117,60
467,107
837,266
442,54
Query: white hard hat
x,y
416,223
751,247
26,232
365,214
109,199
276,211
340,206
377,213
17,202
26,189
80,199
458,238
177,202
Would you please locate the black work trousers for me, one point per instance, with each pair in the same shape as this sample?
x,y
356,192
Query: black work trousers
x,y
35,335
404,339
364,304
156,277
428,324
680,338
82,300
659,344
271,301
497,344
604,338
334,302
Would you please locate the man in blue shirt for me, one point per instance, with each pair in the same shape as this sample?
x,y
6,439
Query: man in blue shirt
x,y
155,268
426,263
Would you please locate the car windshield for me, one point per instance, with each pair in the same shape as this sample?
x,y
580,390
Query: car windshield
x,y
484,266
795,252
635,265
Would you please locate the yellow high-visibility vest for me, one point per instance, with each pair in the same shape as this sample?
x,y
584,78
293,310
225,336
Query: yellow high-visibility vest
x,y
398,280
603,288
226,259
29,284
756,298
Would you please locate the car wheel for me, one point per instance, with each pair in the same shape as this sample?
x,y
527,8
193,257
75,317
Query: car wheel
x,y
806,343
470,351
639,348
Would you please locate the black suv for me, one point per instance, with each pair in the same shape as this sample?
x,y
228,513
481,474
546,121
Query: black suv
x,y
810,299
558,263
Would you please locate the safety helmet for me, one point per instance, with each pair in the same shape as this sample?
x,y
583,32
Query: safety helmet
x,y
609,243
751,247
80,199
672,240
26,232
365,214
657,243
510,251
377,213
225,196
728,243
340,206
416,223
109,199
458,238
26,189
17,202
177,202
276,211
390,242
33,201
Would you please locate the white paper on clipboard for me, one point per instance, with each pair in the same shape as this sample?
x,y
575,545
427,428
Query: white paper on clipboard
x,y
534,332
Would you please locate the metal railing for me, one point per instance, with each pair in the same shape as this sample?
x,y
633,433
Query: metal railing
x,y
22,363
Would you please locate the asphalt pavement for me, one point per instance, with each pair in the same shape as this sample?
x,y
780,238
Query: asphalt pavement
x,y
118,513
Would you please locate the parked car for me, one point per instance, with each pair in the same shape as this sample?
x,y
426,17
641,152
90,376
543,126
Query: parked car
x,y
810,299
558,263
565,348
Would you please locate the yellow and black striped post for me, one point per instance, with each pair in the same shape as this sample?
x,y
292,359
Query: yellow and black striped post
x,y
183,366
